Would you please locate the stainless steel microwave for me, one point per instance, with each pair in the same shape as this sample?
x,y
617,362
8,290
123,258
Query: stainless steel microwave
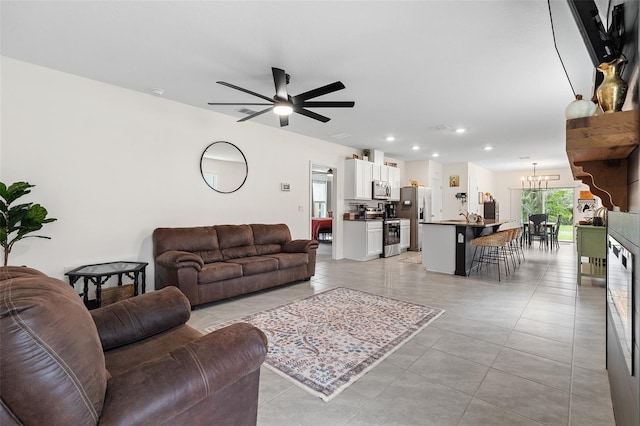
x,y
381,190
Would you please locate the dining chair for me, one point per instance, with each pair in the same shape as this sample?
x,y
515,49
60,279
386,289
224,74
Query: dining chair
x,y
538,228
553,233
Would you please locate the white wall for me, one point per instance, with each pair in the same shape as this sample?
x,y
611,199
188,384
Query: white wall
x,y
113,164
451,206
483,179
416,170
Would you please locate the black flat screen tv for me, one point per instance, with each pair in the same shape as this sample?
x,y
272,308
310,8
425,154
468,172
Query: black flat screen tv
x,y
586,35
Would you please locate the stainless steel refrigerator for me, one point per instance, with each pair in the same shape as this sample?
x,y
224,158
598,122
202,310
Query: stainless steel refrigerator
x,y
415,205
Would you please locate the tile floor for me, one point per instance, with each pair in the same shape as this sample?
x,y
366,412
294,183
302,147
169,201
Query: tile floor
x,y
529,350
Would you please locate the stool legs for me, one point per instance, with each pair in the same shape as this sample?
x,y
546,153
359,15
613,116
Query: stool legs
x,y
501,247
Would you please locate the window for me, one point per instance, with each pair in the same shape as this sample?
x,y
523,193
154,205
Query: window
x,y
555,202
319,198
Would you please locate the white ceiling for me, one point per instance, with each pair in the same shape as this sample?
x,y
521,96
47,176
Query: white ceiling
x,y
415,69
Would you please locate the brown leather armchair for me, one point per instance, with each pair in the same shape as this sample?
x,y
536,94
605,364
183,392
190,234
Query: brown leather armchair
x,y
133,362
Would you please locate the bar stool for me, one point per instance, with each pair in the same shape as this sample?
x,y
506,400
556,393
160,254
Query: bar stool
x,y
493,250
517,242
513,246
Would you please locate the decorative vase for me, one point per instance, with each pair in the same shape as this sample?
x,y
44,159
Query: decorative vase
x,y
580,108
613,90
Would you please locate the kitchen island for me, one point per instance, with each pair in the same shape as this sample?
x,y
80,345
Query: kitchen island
x,y
446,244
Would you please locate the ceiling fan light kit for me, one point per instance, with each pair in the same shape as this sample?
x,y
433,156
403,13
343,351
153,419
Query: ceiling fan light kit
x,y
282,108
282,104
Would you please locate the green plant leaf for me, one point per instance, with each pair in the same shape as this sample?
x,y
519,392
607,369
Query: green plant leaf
x,y
14,191
17,221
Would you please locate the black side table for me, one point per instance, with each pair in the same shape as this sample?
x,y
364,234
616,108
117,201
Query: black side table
x,y
99,273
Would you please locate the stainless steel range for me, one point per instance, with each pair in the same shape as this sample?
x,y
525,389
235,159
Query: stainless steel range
x,y
390,237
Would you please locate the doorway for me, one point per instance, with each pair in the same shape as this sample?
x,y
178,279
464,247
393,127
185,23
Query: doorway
x,y
555,202
323,202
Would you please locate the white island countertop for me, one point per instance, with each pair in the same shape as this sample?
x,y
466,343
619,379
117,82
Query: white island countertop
x,y
446,244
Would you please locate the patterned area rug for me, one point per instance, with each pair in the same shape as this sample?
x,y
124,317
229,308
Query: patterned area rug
x,y
325,342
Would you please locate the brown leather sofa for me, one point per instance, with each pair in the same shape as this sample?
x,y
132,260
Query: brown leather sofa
x,y
131,363
210,263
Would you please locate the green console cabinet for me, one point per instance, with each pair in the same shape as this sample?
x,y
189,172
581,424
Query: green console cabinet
x,y
591,242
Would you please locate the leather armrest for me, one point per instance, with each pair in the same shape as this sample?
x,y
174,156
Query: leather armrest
x,y
299,246
174,259
11,272
160,389
139,317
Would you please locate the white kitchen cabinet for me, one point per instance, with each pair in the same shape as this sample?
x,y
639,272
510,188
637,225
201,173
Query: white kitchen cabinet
x,y
384,173
362,239
380,172
357,180
405,234
374,239
376,170
394,181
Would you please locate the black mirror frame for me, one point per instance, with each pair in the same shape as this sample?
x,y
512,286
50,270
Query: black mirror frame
x,y
246,165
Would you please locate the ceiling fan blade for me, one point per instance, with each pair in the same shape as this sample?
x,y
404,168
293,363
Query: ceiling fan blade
x,y
328,104
280,81
311,114
284,120
233,86
329,88
234,103
255,114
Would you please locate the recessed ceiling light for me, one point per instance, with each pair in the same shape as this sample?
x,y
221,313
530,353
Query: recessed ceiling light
x,y
488,148
461,130
390,139
415,147
435,154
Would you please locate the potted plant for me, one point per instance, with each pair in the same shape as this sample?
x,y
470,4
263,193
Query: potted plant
x,y
17,221
365,154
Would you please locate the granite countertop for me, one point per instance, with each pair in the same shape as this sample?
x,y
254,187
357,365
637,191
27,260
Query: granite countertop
x,y
462,222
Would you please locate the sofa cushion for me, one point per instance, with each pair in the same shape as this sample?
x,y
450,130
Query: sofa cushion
x,y
239,252
201,240
269,239
236,241
256,264
219,271
210,256
123,358
264,249
290,260
270,234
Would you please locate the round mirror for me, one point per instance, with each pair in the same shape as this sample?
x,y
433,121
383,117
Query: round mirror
x,y
224,167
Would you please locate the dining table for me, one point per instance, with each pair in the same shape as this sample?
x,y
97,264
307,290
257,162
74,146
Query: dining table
x,y
548,227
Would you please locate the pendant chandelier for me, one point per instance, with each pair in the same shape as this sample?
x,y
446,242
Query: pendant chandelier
x,y
535,182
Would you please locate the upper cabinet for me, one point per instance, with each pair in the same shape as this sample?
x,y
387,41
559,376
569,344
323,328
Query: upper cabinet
x,y
358,177
597,148
394,181
357,180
